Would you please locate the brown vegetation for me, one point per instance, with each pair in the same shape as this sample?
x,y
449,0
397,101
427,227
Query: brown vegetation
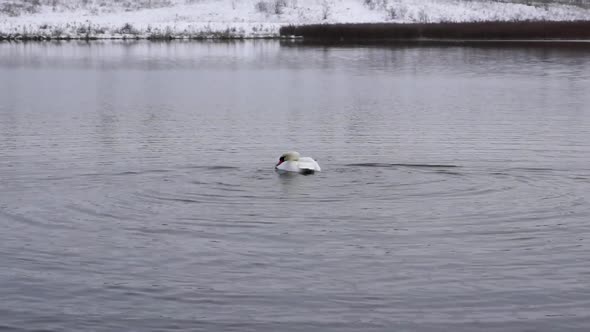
x,y
526,30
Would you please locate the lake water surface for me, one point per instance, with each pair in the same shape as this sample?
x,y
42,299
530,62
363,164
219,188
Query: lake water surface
x,y
137,190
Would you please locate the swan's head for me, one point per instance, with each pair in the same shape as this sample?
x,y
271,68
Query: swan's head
x,y
288,156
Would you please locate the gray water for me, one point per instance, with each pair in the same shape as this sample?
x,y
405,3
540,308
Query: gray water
x,y
137,190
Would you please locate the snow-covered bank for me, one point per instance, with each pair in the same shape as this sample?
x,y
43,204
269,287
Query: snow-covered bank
x,y
103,19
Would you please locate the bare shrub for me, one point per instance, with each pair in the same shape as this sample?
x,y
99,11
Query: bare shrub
x,y
376,4
127,29
57,32
16,8
272,6
396,12
325,9
423,16
11,9
34,3
279,6
262,6
82,30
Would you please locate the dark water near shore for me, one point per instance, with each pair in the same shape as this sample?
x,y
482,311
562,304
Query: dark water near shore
x,y
137,190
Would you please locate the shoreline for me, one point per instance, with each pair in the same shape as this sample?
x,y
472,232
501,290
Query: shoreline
x,y
327,42
91,34
19,38
464,32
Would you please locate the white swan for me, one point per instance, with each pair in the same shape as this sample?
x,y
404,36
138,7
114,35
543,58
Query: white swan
x,y
292,162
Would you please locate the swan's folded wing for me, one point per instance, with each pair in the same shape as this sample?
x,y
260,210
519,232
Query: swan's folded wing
x,y
288,166
309,163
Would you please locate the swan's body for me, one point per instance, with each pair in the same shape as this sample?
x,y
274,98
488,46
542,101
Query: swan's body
x,y
292,162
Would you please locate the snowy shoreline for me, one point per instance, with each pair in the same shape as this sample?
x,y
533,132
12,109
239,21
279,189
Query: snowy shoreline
x,y
530,31
246,19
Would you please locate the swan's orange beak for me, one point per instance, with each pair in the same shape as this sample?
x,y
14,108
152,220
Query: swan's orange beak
x,y
281,160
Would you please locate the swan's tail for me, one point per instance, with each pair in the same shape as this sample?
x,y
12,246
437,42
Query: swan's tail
x,y
308,166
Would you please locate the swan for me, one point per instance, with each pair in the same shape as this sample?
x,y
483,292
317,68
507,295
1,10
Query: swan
x,y
292,162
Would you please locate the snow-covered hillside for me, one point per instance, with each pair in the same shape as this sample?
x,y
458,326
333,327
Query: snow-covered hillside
x,y
245,18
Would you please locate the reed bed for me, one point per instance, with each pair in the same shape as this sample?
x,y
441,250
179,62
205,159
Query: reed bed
x,y
493,30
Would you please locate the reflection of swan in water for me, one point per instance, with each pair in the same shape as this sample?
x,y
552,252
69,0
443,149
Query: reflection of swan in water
x,y
292,162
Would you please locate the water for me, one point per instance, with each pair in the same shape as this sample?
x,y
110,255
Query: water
x,y
138,192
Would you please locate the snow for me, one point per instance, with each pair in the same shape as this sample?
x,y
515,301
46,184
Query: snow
x,y
251,18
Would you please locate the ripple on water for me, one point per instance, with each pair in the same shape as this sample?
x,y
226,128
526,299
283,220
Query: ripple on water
x,y
133,204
